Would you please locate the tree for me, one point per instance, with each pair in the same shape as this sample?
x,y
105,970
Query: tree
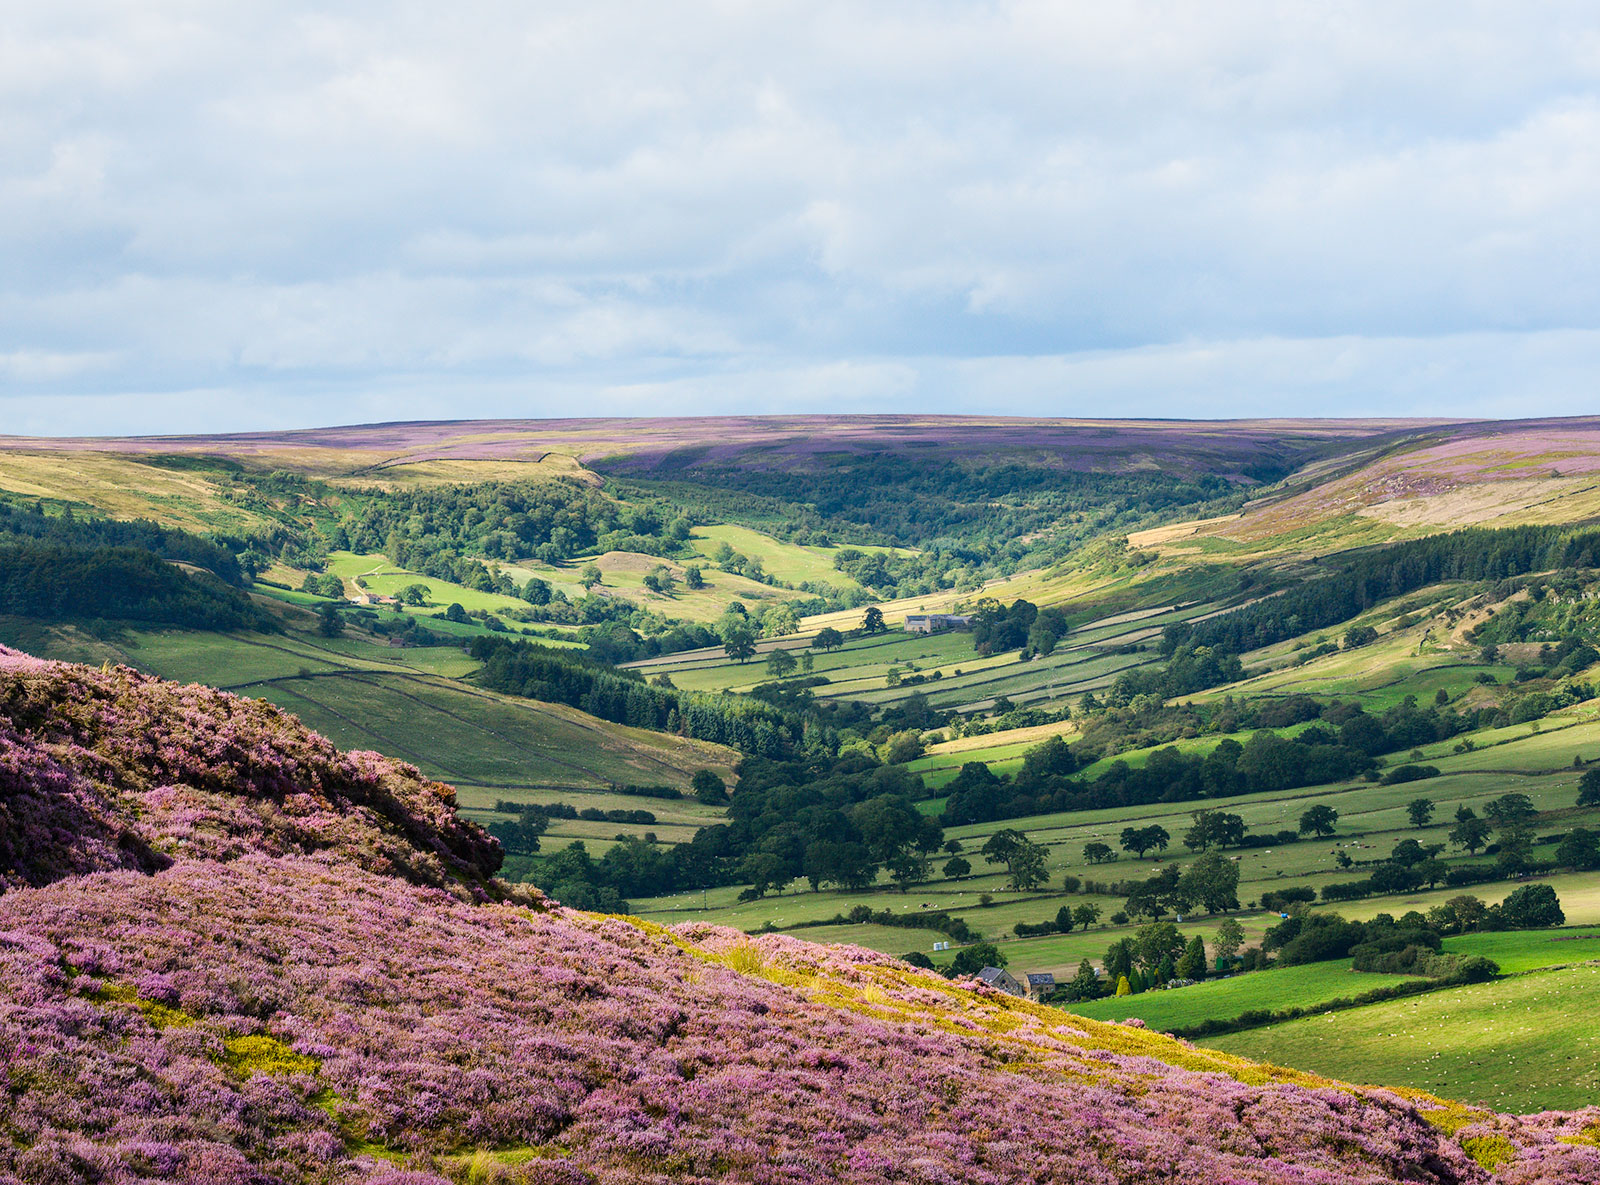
x,y
1064,919
1140,840
418,594
1512,816
847,864
955,868
780,663
457,613
1157,943
1510,809
909,868
709,788
739,644
1580,849
1589,787
827,638
589,576
1318,820
1192,964
1470,832
1432,871
1086,914
1085,985
330,622
695,580
1408,852
972,959
1228,941
890,825
1466,912
1532,907
1211,882
779,620
1024,859
1119,957
1420,811
1214,828
872,621
1098,853
659,579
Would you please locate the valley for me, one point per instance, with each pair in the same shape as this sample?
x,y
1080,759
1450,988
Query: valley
x,y
576,624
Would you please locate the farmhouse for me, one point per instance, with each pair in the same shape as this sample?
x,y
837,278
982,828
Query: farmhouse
x,y
933,623
1040,984
1000,978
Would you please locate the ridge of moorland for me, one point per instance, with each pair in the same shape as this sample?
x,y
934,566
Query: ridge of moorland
x,y
233,954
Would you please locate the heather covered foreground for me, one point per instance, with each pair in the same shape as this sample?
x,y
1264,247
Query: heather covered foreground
x,y
230,954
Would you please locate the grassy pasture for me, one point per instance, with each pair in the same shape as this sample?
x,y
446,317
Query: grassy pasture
x,y
788,562
1277,988
1523,1044
122,487
409,703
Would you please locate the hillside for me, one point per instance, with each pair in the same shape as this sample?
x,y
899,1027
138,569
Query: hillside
x,y
236,955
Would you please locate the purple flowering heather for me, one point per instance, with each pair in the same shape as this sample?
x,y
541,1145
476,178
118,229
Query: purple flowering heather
x,y
230,954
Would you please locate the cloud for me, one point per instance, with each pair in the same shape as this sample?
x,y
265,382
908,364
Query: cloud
x,y
792,206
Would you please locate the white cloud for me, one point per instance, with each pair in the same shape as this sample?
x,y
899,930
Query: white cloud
x,y
813,205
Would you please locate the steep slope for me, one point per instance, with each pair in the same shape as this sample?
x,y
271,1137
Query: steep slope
x,y
112,769
293,1001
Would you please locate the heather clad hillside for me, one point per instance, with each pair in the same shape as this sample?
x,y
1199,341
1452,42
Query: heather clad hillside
x,y
229,953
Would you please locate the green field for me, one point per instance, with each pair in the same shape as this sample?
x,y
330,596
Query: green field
x,y
954,676
411,703
1528,1043
1222,999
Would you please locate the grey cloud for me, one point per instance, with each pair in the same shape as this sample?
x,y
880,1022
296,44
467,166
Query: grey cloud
x,y
801,206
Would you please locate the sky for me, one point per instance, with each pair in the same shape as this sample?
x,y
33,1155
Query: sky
x,y
270,215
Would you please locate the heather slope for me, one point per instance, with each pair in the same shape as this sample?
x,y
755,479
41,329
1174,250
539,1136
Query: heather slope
x,y
110,769
269,1002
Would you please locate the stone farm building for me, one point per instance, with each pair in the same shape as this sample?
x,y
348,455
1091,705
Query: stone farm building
x,y
1003,980
933,623
1040,984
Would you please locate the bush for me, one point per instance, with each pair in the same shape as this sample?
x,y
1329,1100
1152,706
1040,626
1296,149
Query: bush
x,y
1276,900
1410,773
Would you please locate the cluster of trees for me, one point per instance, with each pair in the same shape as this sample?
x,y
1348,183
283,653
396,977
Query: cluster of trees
x,y
1382,943
563,676
1156,955
1509,821
1364,579
89,569
1020,626
22,524
827,821
1341,743
968,521
1209,883
429,529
